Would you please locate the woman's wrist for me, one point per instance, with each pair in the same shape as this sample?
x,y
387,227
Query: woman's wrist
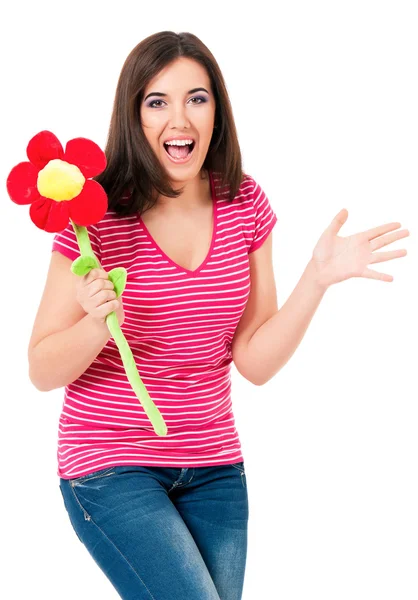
x,y
318,275
97,327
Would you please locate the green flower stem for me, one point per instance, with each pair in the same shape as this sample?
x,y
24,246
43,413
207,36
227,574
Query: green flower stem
x,y
84,242
128,360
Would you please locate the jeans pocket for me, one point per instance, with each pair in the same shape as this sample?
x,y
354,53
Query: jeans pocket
x,y
94,475
240,466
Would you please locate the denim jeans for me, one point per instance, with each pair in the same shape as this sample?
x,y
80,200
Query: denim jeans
x,y
164,533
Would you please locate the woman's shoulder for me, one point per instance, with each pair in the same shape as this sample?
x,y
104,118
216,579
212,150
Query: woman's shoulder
x,y
244,192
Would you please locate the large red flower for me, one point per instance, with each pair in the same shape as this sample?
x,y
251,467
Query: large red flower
x,y
56,185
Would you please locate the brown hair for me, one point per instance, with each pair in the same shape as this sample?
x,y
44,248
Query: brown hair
x,y
134,177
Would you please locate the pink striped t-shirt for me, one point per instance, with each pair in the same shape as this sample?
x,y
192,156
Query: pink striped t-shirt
x,y
179,325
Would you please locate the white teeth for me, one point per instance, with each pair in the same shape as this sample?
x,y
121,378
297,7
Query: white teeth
x,y
179,142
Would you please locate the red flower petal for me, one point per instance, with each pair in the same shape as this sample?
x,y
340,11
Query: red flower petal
x,y
86,155
22,183
50,215
90,206
43,147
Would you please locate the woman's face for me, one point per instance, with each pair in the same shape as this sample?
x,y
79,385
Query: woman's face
x,y
173,107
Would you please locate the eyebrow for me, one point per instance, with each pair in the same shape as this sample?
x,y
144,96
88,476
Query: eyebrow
x,y
193,91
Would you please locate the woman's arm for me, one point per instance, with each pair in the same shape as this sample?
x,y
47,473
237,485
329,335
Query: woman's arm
x,y
60,358
65,339
276,340
334,259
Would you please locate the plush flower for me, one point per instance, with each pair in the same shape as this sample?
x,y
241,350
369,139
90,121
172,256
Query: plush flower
x,y
56,182
57,186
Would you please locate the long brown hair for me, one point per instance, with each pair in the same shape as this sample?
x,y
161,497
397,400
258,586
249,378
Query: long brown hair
x,y
134,177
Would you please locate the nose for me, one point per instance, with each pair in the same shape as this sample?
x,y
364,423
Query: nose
x,y
178,118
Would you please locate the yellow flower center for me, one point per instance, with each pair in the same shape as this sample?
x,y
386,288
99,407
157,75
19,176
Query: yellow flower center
x,y
60,180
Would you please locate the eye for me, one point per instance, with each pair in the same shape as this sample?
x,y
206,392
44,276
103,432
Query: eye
x,y
153,102
200,98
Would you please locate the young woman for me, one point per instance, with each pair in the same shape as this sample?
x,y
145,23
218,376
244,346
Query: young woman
x,y
166,517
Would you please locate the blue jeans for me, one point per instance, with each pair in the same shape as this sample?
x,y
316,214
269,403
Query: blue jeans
x,y
164,533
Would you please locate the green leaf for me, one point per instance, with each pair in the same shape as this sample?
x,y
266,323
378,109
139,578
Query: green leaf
x,y
84,264
118,277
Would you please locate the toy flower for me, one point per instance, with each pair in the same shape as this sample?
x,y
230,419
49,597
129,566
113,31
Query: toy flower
x,y
57,186
55,183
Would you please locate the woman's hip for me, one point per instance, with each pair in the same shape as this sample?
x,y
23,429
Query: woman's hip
x,y
164,530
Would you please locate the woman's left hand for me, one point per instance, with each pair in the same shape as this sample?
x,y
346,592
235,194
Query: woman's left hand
x,y
338,258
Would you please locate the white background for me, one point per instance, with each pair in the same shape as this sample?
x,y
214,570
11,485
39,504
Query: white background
x,y
325,99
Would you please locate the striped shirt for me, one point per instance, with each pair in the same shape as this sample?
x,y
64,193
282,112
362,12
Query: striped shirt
x,y
179,325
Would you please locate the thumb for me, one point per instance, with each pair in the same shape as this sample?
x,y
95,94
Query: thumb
x,y
338,221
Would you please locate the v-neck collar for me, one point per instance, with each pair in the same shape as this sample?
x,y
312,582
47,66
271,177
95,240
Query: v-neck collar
x,y
212,244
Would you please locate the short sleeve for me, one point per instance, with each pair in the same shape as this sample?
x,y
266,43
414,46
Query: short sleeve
x,y
66,242
265,217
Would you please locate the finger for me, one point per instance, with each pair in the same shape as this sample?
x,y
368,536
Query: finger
x,y
104,296
338,221
95,274
108,307
102,284
382,256
370,274
99,288
380,230
388,239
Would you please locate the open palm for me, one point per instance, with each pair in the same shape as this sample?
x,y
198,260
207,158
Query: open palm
x,y
339,258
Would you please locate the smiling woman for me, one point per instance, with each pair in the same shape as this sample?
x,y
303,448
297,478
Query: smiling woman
x,y
183,219
180,128
170,88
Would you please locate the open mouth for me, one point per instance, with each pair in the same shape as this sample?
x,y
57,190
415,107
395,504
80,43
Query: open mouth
x,y
179,153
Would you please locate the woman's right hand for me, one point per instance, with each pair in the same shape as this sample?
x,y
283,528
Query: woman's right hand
x,y
97,296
